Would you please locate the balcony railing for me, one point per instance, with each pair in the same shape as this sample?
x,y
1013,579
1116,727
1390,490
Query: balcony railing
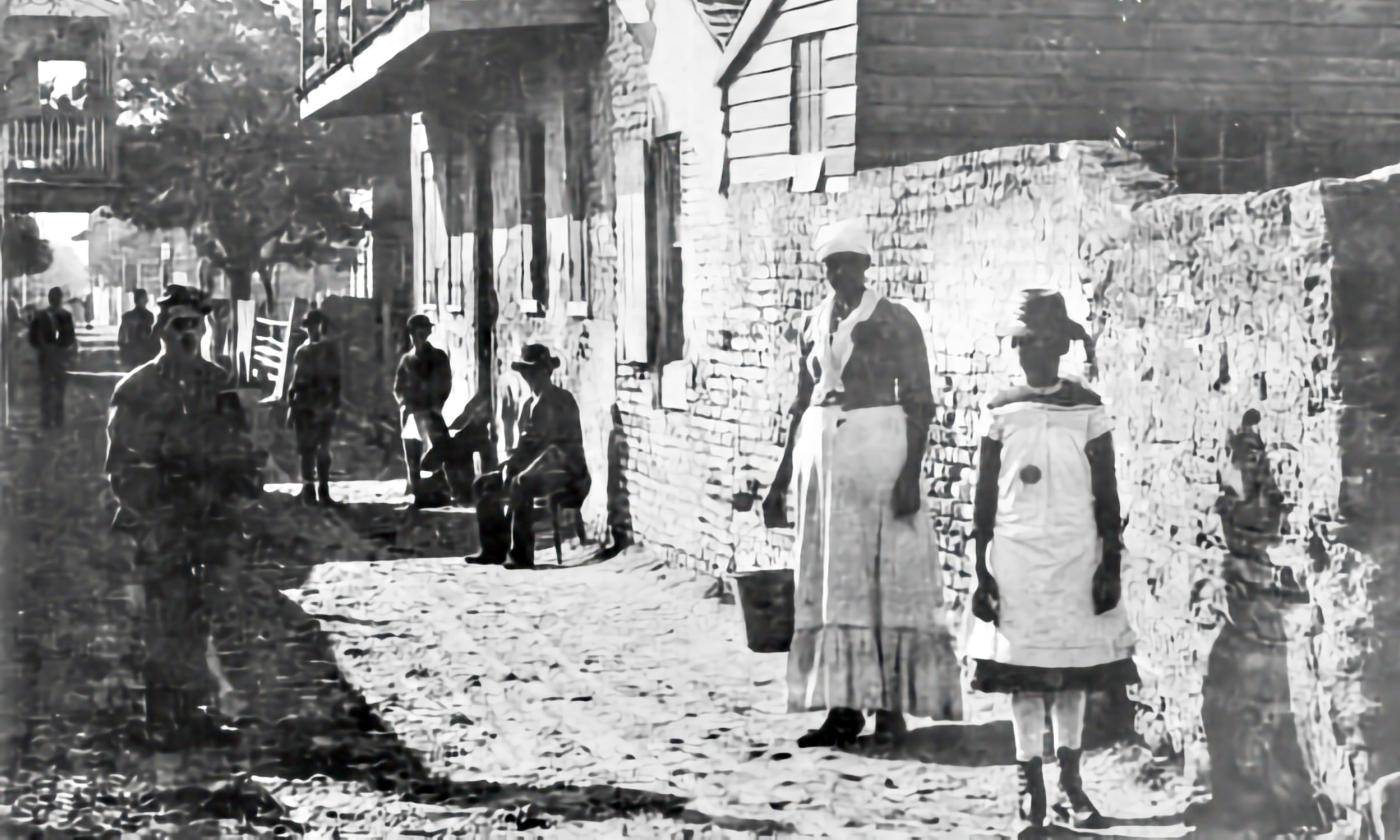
x,y
62,145
323,48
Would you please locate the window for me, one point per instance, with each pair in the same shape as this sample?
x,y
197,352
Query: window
x,y
427,233
62,81
577,166
534,210
807,94
665,295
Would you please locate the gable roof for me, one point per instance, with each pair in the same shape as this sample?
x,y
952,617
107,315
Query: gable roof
x,y
750,21
720,17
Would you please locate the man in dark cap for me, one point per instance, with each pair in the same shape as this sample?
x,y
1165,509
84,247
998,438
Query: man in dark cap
x,y
136,339
548,459
179,458
422,384
51,333
314,398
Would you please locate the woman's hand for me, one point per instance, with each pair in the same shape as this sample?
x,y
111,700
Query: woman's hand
x,y
775,507
1107,588
986,601
906,494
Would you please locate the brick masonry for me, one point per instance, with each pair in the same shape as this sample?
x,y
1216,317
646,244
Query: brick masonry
x,y
1204,308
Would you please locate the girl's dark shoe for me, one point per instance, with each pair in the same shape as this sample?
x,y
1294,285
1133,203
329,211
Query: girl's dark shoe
x,y
1074,809
308,494
323,494
1030,805
840,729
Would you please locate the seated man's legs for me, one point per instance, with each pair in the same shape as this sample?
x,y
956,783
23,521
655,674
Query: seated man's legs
x,y
412,458
459,465
543,477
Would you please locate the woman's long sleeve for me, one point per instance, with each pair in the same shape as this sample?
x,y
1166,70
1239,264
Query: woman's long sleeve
x,y
915,379
1104,478
984,505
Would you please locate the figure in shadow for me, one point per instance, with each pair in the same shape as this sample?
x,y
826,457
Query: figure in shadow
x,y
619,507
1259,782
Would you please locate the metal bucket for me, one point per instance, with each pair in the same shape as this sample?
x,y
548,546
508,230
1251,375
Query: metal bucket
x,y
766,597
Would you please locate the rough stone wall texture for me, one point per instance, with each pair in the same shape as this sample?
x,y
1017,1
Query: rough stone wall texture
x,y
1355,593
1209,307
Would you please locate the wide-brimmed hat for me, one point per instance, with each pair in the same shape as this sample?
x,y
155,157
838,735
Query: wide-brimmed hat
x,y
848,236
1041,312
535,356
420,321
179,295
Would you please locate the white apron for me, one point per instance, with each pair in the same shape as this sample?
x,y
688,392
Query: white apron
x,y
1046,547
869,630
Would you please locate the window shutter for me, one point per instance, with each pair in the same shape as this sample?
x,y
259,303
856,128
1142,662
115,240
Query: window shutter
x,y
631,227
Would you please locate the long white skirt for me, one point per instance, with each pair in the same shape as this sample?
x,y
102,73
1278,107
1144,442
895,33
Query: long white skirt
x,y
870,630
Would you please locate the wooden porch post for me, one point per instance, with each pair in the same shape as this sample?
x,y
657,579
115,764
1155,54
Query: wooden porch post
x,y
332,33
308,36
359,19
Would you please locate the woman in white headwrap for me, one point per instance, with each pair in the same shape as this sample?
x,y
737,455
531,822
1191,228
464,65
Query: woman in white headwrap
x,y
869,633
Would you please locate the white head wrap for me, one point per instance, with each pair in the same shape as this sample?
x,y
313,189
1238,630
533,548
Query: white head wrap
x,y
848,236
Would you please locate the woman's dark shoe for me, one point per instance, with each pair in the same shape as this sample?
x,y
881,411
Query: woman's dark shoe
x,y
481,559
1074,809
840,729
308,494
1030,805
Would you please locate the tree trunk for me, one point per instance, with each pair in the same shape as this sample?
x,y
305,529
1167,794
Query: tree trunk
x,y
240,282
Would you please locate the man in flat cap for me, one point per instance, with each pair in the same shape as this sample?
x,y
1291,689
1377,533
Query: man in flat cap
x,y
179,458
314,398
548,459
422,384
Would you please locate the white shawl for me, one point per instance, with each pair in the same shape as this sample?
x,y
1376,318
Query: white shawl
x,y
832,348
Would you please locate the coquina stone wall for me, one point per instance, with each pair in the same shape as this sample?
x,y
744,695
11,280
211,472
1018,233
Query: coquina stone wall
x,y
1213,315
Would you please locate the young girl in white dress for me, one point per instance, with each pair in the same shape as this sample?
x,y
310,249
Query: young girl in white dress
x,y
1049,627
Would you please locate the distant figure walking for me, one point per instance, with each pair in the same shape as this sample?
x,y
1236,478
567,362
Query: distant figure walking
x,y
315,402
136,339
51,333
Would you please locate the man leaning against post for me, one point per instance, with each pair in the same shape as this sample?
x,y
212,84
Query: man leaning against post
x,y
422,384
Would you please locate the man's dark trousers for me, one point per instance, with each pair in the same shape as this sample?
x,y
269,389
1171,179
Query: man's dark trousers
x,y
513,531
53,380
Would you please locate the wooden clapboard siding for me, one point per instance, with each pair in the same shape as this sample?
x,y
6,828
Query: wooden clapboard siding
x,y
840,101
770,85
759,142
752,115
759,91
935,79
774,56
770,168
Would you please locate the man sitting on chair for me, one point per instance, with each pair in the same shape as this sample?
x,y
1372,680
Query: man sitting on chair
x,y
547,461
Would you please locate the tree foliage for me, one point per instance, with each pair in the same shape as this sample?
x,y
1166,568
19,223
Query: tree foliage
x,y
212,142
25,250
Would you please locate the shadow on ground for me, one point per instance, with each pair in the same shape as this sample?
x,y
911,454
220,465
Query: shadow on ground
x,y
74,759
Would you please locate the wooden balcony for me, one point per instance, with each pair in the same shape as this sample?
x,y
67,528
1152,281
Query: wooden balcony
x,y
55,146
60,162
359,56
